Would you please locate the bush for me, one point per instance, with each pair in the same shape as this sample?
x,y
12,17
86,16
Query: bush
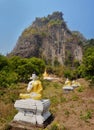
x,y
19,69
6,79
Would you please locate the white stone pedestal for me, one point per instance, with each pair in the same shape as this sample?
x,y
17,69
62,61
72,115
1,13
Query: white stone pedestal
x,y
67,89
32,111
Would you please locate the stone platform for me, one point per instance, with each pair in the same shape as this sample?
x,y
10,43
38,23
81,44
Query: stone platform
x,y
31,112
67,89
21,125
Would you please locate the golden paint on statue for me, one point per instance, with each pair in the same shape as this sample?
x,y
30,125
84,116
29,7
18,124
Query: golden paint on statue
x,y
67,82
45,74
34,89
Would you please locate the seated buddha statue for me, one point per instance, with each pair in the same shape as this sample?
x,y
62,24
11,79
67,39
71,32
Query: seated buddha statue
x,y
67,86
45,74
34,89
75,84
67,82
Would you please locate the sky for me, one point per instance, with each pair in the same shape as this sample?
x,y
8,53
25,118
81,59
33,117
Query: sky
x,y
16,15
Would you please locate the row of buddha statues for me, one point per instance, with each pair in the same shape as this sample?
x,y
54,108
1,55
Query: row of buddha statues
x,y
70,85
31,106
35,89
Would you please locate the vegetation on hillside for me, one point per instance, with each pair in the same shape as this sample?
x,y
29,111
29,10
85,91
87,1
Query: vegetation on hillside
x,y
87,66
16,71
67,109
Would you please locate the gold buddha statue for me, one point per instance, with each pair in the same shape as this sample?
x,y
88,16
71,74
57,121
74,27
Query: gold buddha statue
x,y
67,82
34,89
45,74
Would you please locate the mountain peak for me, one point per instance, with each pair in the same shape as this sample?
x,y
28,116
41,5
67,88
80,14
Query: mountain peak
x,y
56,16
50,39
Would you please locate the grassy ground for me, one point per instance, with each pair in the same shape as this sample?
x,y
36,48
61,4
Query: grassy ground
x,y
71,111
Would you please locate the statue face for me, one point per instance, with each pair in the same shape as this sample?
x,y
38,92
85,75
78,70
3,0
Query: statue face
x,y
34,76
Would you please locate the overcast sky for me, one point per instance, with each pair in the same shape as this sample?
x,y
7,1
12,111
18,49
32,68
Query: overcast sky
x,y
16,15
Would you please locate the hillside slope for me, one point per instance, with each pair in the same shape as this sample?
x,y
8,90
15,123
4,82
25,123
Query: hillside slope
x,y
71,111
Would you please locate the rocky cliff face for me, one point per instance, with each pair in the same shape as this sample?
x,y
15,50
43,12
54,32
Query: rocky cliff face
x,y
50,39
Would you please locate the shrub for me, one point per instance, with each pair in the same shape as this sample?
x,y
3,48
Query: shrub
x,y
6,79
86,116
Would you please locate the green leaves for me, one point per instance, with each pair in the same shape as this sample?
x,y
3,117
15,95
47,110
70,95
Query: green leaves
x,y
17,69
3,62
87,67
7,78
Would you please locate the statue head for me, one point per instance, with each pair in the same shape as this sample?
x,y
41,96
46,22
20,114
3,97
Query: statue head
x,y
67,82
34,76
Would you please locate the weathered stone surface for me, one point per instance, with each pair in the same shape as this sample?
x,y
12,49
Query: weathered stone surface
x,y
49,38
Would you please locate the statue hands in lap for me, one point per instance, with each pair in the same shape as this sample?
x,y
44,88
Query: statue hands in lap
x,y
34,89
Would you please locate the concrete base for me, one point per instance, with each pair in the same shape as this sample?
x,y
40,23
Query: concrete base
x,y
67,89
21,125
32,111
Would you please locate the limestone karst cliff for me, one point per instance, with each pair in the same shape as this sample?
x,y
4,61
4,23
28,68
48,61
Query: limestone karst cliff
x,y
50,39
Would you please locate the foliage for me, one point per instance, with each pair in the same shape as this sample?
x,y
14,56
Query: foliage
x,y
67,73
56,62
54,22
3,62
69,58
6,79
30,31
76,63
87,67
80,89
16,69
86,116
55,126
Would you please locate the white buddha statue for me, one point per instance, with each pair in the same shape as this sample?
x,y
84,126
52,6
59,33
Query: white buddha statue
x,y
34,89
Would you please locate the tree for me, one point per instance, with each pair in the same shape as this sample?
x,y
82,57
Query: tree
x,y
3,62
17,69
88,63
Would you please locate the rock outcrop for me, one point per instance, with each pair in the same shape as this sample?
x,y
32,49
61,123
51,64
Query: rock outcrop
x,y
50,39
